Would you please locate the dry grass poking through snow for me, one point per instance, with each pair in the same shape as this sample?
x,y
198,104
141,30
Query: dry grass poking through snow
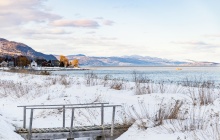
x,y
201,92
10,88
23,86
118,84
194,117
26,71
196,122
145,118
144,85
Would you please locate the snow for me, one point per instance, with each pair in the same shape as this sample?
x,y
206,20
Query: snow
x,y
4,68
7,130
26,89
135,134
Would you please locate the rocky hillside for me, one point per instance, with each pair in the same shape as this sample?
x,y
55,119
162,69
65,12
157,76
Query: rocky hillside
x,y
11,48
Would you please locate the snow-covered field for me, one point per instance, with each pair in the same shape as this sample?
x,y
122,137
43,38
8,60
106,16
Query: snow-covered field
x,y
188,110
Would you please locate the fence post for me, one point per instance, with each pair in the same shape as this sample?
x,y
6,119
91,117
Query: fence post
x,y
30,125
63,116
71,125
102,114
24,117
113,121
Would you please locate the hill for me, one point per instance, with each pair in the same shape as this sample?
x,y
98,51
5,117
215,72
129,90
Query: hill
x,y
11,48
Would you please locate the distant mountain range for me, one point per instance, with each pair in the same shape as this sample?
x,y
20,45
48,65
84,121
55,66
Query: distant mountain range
x,y
11,48
134,60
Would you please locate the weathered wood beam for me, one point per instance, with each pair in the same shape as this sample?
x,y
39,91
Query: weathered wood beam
x,y
113,121
78,134
24,117
62,104
64,116
30,125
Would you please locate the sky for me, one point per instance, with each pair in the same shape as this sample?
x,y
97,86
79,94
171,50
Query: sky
x,y
172,29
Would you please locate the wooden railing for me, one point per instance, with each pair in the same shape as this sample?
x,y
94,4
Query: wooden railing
x,y
64,107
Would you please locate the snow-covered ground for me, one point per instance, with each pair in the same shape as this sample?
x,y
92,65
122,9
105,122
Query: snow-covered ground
x,y
155,110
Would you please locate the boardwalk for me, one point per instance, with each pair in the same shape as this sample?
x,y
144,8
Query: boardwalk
x,y
99,132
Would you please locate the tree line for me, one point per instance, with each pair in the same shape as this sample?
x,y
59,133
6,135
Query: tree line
x,y
24,61
64,62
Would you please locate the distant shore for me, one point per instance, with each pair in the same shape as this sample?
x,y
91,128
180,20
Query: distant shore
x,y
57,69
45,69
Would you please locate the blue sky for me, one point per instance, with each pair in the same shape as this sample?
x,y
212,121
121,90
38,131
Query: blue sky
x,y
173,29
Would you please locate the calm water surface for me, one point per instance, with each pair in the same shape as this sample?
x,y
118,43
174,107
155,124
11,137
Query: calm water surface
x,y
154,73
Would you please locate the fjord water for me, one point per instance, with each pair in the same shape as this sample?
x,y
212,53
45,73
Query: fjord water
x,y
153,73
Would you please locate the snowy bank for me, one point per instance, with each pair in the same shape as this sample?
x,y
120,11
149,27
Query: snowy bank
x,y
156,110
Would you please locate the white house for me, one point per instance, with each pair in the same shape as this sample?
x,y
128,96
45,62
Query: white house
x,y
33,64
4,64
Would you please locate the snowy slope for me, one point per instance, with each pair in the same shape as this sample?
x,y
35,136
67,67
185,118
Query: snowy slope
x,y
23,89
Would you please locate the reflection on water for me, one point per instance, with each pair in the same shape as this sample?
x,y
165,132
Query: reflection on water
x,y
154,73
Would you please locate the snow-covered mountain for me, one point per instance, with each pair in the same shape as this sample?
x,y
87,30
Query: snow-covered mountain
x,y
11,48
201,63
133,60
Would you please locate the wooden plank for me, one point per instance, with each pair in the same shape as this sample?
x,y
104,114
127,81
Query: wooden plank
x,y
30,125
63,116
24,117
72,107
78,134
113,121
102,114
71,125
76,128
61,104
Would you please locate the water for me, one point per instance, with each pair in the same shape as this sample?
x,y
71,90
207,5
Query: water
x,y
154,73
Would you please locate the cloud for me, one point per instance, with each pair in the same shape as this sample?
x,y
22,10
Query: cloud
x,y
15,13
108,22
46,31
76,23
108,38
104,21
208,47
199,46
100,18
92,32
212,36
23,13
190,43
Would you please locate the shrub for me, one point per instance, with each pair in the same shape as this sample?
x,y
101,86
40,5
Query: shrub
x,y
63,81
147,119
91,78
201,92
117,84
143,85
44,73
106,80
